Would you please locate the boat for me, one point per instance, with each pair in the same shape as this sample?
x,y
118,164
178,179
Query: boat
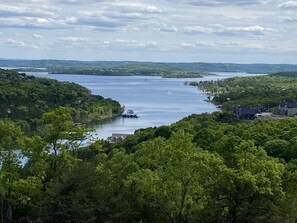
x,y
130,114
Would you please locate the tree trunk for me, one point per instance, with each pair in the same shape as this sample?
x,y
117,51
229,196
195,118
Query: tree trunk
x,y
2,211
9,214
183,198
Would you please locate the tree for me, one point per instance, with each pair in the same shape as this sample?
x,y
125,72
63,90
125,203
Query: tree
x,y
174,175
10,164
250,188
287,211
92,191
62,136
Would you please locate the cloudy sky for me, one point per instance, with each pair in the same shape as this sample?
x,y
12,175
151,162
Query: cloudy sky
x,y
242,31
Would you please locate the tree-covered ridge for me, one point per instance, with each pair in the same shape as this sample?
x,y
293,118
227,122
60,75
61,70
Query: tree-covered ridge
x,y
241,146
286,74
204,168
195,66
220,131
267,90
130,69
27,97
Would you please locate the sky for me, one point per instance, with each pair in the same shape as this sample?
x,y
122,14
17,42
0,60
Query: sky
x,y
237,31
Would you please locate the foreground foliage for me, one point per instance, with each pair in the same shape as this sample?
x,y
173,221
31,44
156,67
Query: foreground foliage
x,y
205,168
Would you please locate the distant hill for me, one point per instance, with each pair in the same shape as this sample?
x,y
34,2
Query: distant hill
x,y
56,65
286,74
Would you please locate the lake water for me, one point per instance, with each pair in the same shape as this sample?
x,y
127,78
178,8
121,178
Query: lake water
x,y
158,101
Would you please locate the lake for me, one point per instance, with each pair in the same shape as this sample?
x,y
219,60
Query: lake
x,y
158,101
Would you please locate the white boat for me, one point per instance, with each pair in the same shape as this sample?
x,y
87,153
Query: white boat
x,y
130,114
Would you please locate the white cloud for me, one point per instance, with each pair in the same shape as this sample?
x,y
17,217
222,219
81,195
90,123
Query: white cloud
x,y
232,30
115,14
288,5
71,1
197,44
254,46
44,20
153,9
37,36
233,44
95,19
15,43
135,7
71,20
73,38
136,43
126,43
223,2
31,23
22,9
197,29
239,45
222,45
290,18
258,30
168,28
142,28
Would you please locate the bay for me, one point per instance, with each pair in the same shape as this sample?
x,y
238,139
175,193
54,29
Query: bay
x,y
158,101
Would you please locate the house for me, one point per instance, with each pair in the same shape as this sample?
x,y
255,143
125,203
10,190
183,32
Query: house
x,y
288,108
117,137
244,112
260,109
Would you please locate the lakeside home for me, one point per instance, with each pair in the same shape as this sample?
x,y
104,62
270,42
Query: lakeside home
x,y
288,108
115,137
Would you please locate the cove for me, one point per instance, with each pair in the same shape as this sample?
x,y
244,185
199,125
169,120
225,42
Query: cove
x,y
158,101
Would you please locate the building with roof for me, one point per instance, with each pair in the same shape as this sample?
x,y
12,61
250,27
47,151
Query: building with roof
x,y
115,137
245,112
288,108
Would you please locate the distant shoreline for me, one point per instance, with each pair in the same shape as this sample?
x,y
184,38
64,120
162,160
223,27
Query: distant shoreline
x,y
129,68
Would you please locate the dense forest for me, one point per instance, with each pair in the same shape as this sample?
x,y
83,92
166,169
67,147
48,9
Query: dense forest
x,y
204,168
142,68
266,90
26,98
126,69
163,70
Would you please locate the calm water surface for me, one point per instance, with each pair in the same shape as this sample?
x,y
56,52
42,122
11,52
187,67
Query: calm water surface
x,y
158,101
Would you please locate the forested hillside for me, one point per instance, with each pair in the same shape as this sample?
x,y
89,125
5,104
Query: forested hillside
x,y
267,90
213,168
111,65
131,69
166,70
27,98
204,168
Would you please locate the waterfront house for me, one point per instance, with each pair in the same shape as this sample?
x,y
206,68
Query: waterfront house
x,y
115,137
288,108
244,112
